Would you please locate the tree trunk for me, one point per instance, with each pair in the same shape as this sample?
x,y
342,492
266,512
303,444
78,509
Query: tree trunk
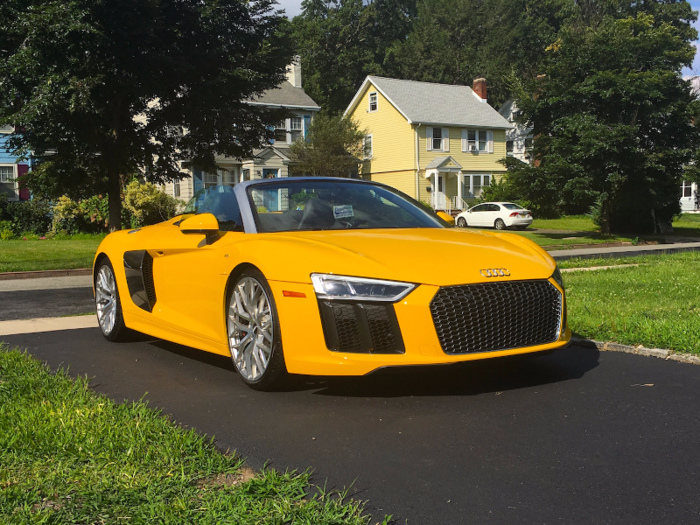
x,y
114,192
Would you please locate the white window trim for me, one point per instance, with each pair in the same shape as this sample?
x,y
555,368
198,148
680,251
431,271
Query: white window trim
x,y
14,182
369,102
444,140
477,135
7,130
371,147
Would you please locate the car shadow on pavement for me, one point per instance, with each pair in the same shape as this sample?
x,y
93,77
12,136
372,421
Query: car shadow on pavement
x,y
467,379
461,379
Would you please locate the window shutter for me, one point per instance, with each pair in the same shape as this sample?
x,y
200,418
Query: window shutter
x,y
429,138
489,137
445,139
464,140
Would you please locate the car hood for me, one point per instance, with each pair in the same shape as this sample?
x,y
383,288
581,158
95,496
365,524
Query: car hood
x,y
437,256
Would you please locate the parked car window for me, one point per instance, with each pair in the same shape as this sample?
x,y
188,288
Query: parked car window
x,y
221,202
511,206
328,205
480,207
493,207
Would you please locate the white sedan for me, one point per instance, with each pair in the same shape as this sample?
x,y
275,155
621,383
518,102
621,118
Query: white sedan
x,y
499,215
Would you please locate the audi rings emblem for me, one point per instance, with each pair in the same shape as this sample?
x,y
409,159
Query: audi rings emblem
x,y
494,272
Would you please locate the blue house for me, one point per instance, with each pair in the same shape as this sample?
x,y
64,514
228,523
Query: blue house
x,y
11,170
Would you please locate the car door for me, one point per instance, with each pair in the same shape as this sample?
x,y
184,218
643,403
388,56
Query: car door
x,y
476,215
189,275
491,214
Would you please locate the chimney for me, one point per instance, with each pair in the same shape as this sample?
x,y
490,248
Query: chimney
x,y
294,72
479,88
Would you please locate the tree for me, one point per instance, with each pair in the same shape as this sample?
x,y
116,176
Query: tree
x,y
456,41
342,41
100,90
334,147
612,118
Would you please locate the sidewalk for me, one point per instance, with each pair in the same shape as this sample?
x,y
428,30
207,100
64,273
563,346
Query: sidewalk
x,y
624,251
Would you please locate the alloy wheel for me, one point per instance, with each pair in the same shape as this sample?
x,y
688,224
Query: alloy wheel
x,y
106,299
250,329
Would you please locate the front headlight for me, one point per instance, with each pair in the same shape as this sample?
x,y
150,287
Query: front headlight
x,y
557,277
329,286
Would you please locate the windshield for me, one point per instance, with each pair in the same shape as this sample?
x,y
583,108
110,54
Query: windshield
x,y
511,206
330,205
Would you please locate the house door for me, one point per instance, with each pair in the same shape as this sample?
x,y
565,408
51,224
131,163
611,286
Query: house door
x,y
439,199
689,194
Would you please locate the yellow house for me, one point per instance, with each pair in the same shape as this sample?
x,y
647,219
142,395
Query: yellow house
x,y
438,143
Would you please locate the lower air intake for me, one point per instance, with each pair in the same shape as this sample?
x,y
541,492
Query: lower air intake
x,y
496,316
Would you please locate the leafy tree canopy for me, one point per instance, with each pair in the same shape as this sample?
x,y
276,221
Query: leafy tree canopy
x,y
101,89
334,147
612,116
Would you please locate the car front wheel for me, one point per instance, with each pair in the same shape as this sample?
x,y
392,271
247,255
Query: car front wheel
x,y
462,222
108,305
254,333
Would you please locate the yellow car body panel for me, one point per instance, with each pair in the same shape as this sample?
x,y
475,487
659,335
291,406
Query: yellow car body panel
x,y
191,273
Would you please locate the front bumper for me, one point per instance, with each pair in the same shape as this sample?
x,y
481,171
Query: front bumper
x,y
306,351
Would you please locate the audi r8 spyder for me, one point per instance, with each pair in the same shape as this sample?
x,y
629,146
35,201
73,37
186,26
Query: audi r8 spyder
x,y
327,276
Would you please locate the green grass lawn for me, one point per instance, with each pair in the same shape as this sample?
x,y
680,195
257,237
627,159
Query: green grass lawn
x,y
23,256
69,455
580,229
655,304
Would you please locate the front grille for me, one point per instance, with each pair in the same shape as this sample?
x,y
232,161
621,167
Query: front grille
x,y
361,327
496,316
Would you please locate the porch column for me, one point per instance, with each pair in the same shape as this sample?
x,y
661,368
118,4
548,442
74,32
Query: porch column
x,y
459,189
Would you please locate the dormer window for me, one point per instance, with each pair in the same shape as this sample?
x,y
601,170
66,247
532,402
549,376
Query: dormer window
x,y
372,102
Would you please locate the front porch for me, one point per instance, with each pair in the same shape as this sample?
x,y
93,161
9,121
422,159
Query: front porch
x,y
452,190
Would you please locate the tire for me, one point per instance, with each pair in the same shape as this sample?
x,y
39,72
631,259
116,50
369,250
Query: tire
x,y
108,304
499,224
462,222
258,359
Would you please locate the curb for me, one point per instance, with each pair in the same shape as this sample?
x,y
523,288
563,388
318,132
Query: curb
x,y
596,253
8,276
667,355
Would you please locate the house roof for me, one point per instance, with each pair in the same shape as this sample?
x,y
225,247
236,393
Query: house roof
x,y
429,103
288,96
439,162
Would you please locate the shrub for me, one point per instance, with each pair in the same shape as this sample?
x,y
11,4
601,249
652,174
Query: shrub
x,y
6,232
85,216
149,204
30,217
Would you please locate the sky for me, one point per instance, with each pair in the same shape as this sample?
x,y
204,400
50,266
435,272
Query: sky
x,y
293,8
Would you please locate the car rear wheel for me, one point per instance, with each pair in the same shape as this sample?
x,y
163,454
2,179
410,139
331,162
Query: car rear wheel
x,y
499,224
462,222
254,333
108,305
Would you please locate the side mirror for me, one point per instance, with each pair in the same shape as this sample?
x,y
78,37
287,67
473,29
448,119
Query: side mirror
x,y
204,223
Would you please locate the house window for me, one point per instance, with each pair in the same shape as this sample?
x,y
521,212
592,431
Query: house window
x,y
209,180
7,173
509,147
528,143
176,189
472,138
483,141
368,147
476,140
437,139
372,102
281,132
296,128
687,189
245,175
477,183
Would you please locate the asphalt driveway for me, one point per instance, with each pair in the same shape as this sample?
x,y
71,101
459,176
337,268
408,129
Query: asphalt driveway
x,y
572,437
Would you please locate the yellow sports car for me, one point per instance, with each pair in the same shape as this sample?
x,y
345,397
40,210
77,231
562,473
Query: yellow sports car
x,y
327,276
